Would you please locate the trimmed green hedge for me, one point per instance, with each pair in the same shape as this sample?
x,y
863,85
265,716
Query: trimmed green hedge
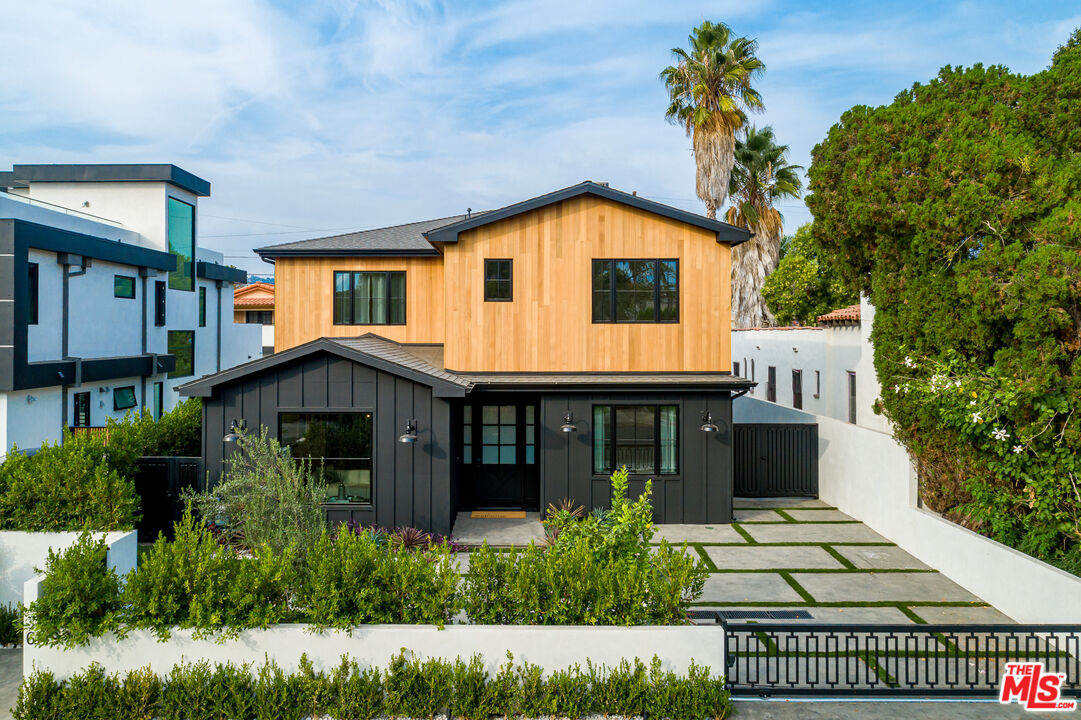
x,y
408,688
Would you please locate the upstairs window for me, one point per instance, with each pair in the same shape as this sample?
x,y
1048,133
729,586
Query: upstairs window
x,y
369,298
851,397
124,287
182,244
797,389
159,303
498,281
202,307
259,317
771,383
32,294
636,291
124,397
182,346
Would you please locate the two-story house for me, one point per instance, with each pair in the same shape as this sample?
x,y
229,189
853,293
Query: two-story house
x,y
254,305
107,302
500,360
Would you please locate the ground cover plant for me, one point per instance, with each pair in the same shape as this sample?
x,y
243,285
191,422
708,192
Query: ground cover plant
x,y
599,571
409,687
955,209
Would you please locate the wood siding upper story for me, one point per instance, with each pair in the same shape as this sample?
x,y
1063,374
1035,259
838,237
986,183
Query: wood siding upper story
x,y
548,327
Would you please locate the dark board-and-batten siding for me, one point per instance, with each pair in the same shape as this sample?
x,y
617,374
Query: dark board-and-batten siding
x,y
411,482
700,493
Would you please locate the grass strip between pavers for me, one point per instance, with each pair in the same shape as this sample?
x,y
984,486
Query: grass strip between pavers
x,y
911,615
786,544
880,671
706,558
800,522
822,571
839,557
796,586
785,507
835,603
744,534
786,516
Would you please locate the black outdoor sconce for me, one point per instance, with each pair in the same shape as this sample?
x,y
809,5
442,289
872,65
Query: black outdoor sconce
x,y
410,434
708,426
234,431
568,425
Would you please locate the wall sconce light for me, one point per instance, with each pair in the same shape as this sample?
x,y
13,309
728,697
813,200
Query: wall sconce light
x,y
103,390
410,434
795,349
30,399
568,425
234,431
708,426
101,403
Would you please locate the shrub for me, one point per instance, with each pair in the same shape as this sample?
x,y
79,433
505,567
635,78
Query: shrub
x,y
418,688
265,497
354,580
358,693
73,486
79,597
10,625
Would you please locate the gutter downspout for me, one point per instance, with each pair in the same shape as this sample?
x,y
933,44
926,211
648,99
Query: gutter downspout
x,y
144,273
217,366
67,260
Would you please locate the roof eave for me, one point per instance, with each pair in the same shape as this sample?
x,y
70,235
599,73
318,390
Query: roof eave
x,y
268,253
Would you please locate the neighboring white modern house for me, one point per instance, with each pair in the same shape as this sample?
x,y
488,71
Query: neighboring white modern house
x,y
826,369
106,300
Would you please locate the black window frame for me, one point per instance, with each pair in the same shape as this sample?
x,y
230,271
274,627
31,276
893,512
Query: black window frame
x,y
181,272
610,463
338,320
202,306
134,400
116,286
797,389
159,400
82,398
176,372
498,281
612,292
321,460
818,384
735,368
159,303
851,396
771,383
258,317
32,293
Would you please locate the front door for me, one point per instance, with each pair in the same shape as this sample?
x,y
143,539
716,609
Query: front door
x,y
499,455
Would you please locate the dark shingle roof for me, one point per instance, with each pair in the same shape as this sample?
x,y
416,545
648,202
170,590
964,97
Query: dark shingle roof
x,y
407,239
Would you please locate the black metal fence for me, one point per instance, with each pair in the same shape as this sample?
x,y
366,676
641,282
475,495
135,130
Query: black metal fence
x,y
793,659
160,483
775,459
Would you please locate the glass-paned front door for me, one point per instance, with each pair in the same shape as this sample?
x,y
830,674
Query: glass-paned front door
x,y
499,453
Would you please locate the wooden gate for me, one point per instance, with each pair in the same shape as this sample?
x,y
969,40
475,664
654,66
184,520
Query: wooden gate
x,y
160,483
775,460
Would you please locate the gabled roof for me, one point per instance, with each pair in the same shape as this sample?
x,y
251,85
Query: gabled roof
x,y
725,233
395,241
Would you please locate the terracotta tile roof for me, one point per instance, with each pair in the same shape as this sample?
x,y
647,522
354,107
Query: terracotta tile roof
x,y
264,302
842,316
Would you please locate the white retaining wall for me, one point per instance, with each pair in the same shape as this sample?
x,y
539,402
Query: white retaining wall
x,y
21,552
869,475
552,648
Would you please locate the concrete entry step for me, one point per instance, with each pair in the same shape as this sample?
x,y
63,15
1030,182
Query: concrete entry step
x,y
473,531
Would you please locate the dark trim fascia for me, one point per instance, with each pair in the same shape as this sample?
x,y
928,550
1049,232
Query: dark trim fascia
x,y
204,387
269,252
598,373
8,181
53,373
214,271
51,239
482,387
113,173
725,232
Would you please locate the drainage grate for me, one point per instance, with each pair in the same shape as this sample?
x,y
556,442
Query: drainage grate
x,y
750,615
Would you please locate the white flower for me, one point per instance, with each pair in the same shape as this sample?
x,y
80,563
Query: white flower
x,y
1000,434
896,389
909,362
1017,449
971,402
957,383
975,417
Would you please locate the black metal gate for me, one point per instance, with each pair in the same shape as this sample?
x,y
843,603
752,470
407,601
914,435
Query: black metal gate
x,y
792,659
160,483
775,459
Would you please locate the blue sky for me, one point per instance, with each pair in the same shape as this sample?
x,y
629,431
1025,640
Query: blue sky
x,y
326,116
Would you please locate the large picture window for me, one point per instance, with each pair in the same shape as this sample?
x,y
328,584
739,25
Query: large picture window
x,y
182,244
182,347
339,445
369,298
644,438
636,291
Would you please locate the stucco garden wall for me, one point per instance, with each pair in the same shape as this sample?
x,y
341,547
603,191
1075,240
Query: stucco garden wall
x,y
21,552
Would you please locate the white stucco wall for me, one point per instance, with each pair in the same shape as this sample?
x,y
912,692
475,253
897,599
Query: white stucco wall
x,y
553,648
22,552
139,206
32,417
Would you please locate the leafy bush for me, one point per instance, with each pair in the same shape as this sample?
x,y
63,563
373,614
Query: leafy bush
x,y
265,497
178,433
354,580
73,486
79,597
10,625
410,687
955,209
804,285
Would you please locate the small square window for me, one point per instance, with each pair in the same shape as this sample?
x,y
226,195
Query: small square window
x,y
124,287
498,281
124,397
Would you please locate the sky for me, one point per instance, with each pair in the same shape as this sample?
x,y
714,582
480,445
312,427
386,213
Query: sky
x,y
327,116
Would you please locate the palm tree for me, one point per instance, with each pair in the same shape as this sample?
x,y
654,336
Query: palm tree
x,y
709,92
761,176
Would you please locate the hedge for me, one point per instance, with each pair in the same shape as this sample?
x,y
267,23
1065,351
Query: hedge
x,y
409,688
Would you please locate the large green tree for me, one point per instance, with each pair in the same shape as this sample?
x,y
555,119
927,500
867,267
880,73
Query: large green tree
x,y
804,285
761,177
957,209
709,93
